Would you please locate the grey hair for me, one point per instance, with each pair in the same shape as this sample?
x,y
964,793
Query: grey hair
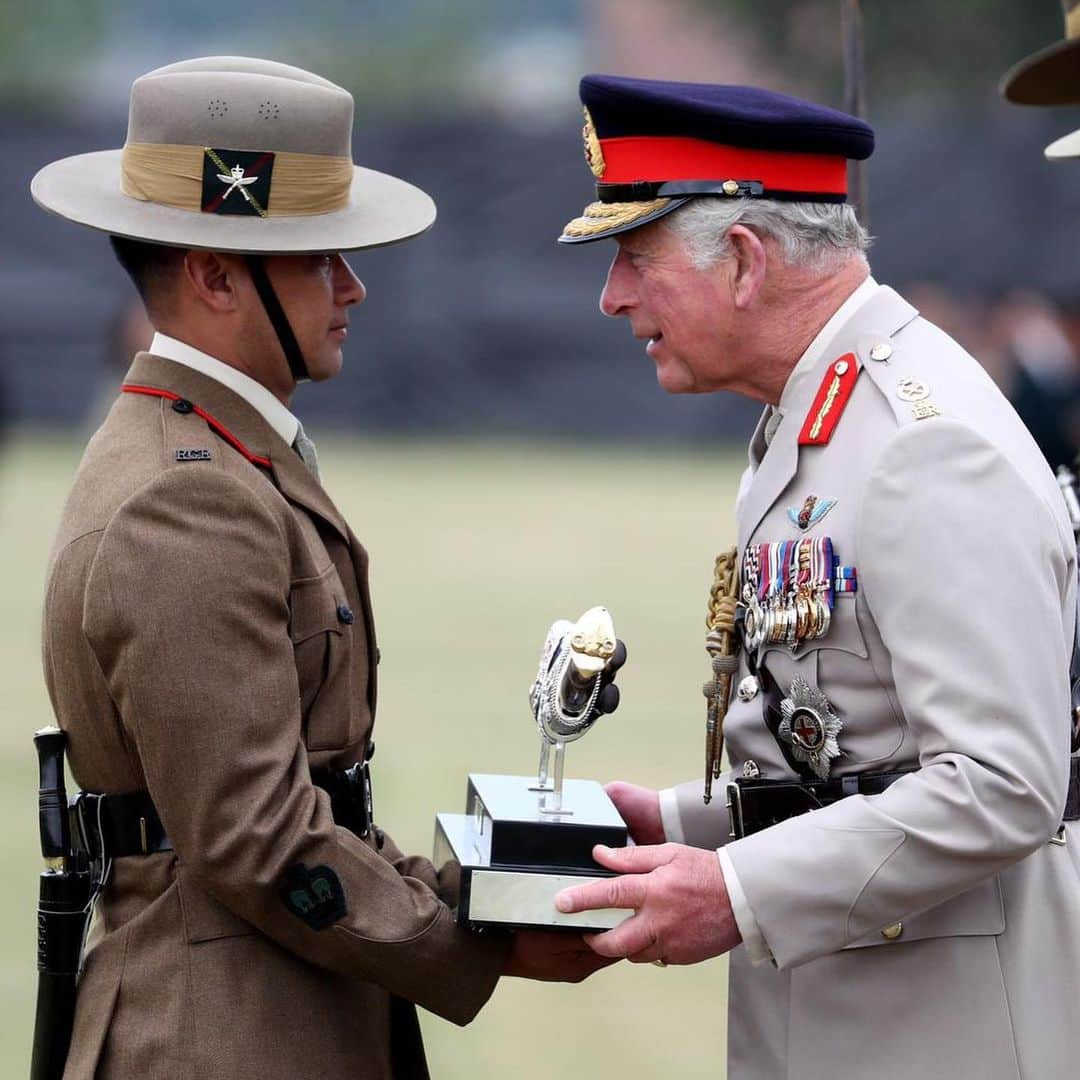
x,y
813,235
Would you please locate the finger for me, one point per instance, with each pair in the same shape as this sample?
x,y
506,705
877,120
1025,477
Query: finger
x,y
640,859
631,938
619,657
616,661
608,701
648,956
628,892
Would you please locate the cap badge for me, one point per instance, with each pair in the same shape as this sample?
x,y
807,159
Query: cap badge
x,y
236,182
810,727
812,511
594,153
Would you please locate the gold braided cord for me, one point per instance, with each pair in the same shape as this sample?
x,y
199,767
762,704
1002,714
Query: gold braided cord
x,y
720,613
598,217
721,644
171,174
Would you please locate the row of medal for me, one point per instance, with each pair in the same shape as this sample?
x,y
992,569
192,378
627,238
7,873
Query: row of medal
x,y
788,590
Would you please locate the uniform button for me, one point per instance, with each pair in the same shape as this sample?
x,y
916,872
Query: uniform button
x,y
344,613
891,933
182,405
748,689
881,352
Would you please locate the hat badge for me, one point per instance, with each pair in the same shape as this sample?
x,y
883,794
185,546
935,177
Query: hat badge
x,y
594,153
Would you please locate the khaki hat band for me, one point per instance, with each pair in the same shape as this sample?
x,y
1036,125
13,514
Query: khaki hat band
x,y
176,175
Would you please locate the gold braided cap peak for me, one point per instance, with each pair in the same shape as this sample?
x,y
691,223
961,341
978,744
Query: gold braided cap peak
x,y
598,217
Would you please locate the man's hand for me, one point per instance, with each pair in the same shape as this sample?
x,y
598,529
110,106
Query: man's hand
x,y
682,912
553,957
640,809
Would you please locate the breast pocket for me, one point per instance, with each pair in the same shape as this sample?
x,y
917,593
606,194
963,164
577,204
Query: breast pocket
x,y
331,662
840,666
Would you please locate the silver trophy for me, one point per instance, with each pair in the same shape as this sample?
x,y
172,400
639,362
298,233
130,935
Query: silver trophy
x,y
524,838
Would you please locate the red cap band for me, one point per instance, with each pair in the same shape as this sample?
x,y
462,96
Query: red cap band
x,y
656,158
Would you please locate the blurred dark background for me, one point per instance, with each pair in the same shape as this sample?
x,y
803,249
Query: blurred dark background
x,y
485,325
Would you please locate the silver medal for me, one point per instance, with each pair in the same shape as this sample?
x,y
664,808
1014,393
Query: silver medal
x,y
810,727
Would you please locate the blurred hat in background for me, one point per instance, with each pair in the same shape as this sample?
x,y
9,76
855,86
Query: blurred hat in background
x,y
1050,76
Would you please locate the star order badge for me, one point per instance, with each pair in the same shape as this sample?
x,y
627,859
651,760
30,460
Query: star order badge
x,y
594,153
810,727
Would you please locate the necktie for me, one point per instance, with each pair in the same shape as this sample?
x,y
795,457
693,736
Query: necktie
x,y
308,455
772,424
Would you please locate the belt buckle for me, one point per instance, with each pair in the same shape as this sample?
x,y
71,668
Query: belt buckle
x,y
1060,838
735,810
83,803
358,781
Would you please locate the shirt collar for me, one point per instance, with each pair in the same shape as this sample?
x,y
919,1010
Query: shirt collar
x,y
809,359
254,393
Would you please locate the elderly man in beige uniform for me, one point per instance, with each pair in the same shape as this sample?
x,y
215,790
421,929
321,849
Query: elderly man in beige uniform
x,y
209,644
899,854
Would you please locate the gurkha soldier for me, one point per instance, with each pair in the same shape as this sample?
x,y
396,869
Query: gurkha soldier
x,y
895,848
209,644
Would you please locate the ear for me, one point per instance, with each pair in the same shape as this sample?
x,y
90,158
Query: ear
x,y
751,263
212,278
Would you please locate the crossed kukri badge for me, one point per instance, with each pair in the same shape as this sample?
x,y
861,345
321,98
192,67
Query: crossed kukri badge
x,y
236,181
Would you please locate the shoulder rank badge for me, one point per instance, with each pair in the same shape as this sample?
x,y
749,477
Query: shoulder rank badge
x,y
810,727
236,181
830,402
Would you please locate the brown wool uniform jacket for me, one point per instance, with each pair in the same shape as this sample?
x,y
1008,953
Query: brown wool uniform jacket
x,y
193,648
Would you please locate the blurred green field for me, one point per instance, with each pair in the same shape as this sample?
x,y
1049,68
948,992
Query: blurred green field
x,y
476,548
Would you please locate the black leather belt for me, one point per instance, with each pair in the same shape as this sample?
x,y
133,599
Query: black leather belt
x,y
120,825
1072,801
756,804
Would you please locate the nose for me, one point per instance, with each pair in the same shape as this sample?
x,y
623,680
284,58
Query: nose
x,y
617,296
348,288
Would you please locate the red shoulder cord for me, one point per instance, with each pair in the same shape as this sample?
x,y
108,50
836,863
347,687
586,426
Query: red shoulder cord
x,y
220,428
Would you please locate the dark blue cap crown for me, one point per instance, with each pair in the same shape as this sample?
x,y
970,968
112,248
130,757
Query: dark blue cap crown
x,y
744,116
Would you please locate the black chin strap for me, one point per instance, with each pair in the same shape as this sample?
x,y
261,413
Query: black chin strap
x,y
276,314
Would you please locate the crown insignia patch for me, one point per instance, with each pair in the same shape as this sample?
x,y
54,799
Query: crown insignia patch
x,y
236,181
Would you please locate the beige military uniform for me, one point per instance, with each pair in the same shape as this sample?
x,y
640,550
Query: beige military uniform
x,y
934,929
208,638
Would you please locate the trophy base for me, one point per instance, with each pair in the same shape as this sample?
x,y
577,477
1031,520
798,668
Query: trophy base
x,y
517,851
513,899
